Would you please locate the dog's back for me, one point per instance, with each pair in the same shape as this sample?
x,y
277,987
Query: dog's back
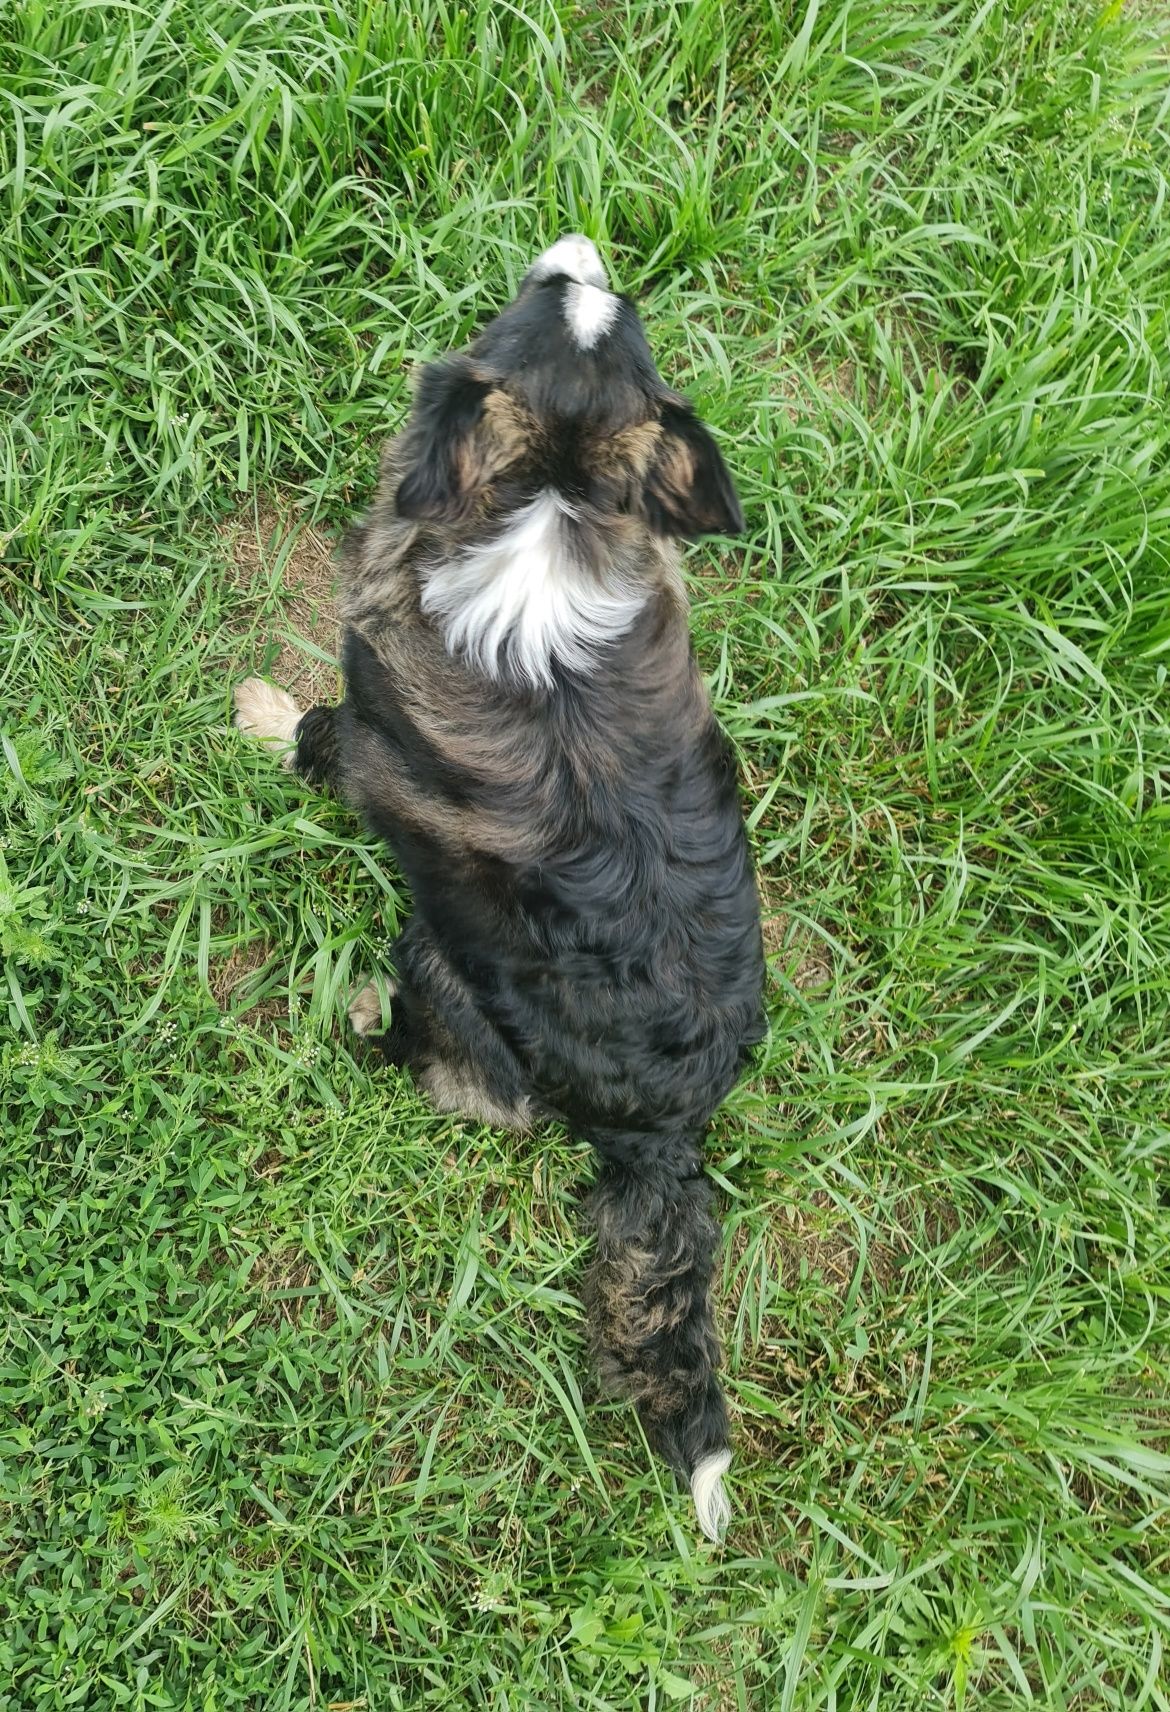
x,y
579,854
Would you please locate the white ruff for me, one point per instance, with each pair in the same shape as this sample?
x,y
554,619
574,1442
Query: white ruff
x,y
523,600
590,312
714,1511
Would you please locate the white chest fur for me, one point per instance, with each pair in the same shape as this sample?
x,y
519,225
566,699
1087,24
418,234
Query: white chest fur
x,y
525,600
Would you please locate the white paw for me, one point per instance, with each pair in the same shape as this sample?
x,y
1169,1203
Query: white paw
x,y
269,713
365,1009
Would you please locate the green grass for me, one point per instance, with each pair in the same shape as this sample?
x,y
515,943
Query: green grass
x,y
294,1405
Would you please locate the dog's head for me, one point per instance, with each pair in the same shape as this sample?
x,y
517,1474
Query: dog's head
x,y
560,394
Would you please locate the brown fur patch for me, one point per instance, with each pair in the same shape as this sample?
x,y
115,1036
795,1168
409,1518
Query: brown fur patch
x,y
499,440
506,429
674,470
632,449
637,1302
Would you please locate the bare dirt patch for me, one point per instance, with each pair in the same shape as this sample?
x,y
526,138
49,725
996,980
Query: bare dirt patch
x,y
230,978
1155,13
811,1236
285,565
806,385
819,1239
788,943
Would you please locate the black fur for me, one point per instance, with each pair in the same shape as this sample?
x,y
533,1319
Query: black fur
x,y
585,940
317,753
447,406
651,1325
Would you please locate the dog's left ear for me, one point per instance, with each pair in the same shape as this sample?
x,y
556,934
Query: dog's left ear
x,y
688,489
448,406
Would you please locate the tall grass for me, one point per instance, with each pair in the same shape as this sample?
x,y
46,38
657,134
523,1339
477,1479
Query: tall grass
x,y
294,1407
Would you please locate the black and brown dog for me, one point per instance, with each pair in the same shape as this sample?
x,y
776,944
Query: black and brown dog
x,y
525,725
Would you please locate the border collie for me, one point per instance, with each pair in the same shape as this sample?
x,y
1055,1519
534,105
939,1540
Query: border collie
x,y
525,725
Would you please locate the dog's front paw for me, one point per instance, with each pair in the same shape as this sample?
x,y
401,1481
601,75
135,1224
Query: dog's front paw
x,y
269,713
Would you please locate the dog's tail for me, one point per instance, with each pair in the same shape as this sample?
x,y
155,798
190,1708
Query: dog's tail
x,y
648,1298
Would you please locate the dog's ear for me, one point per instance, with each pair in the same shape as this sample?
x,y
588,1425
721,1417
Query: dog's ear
x,y
688,488
444,473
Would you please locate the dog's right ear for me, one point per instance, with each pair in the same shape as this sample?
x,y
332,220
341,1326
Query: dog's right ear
x,y
444,475
689,491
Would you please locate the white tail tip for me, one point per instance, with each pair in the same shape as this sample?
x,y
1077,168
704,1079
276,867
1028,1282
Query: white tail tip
x,y
269,713
711,1503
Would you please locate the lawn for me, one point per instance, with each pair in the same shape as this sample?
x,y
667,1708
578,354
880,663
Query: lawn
x,y
295,1410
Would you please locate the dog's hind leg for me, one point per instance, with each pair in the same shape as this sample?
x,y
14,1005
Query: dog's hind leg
x,y
366,1015
464,1088
307,741
438,1031
453,1084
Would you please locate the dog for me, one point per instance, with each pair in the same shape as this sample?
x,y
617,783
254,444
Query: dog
x,y
525,725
